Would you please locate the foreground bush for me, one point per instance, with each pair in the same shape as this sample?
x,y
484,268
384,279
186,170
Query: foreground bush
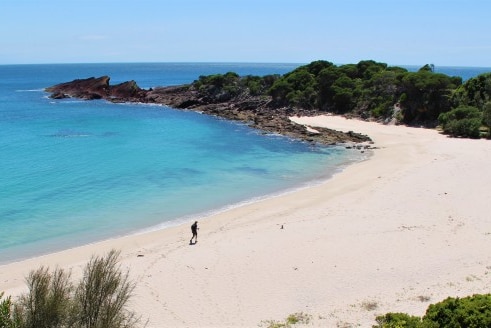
x,y
468,312
6,313
98,301
102,295
48,302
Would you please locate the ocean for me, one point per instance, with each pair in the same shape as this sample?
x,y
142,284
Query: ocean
x,y
75,172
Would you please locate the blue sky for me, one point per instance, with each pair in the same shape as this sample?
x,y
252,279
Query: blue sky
x,y
397,32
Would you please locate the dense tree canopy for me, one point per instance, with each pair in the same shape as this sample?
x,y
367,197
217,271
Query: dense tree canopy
x,y
475,92
369,89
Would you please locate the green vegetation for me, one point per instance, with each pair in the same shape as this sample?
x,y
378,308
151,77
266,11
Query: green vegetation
x,y
464,121
475,93
486,116
369,90
98,301
292,319
398,320
468,312
7,319
47,303
223,87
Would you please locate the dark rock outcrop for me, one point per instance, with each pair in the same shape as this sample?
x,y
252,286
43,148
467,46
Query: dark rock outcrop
x,y
91,88
98,88
257,111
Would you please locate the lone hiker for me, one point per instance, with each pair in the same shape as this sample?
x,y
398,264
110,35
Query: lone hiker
x,y
194,230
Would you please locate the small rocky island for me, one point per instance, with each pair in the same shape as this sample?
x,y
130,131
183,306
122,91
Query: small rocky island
x,y
213,98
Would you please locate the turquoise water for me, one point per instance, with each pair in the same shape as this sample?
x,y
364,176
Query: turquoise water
x,y
74,172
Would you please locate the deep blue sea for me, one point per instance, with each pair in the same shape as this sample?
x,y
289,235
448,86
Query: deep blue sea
x,y
75,172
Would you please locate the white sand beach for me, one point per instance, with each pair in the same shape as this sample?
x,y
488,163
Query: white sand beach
x,y
404,229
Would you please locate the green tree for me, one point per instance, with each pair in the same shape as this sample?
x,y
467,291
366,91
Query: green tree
x,y
427,95
298,89
343,94
427,68
350,70
368,68
316,67
279,91
325,81
474,92
381,92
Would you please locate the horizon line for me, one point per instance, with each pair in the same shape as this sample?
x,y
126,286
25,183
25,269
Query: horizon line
x,y
229,62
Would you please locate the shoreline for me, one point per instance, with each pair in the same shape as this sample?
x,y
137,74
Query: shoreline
x,y
27,253
394,233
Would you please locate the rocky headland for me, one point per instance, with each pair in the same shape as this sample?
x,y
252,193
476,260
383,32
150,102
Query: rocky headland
x,y
258,111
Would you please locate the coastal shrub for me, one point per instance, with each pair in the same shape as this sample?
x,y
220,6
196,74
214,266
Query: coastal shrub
x,y
47,304
464,121
100,299
486,117
293,319
7,319
254,84
257,85
298,318
102,295
398,320
459,113
382,109
218,80
468,127
468,312
220,87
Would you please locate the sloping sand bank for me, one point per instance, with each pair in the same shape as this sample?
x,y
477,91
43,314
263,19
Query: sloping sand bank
x,y
406,228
